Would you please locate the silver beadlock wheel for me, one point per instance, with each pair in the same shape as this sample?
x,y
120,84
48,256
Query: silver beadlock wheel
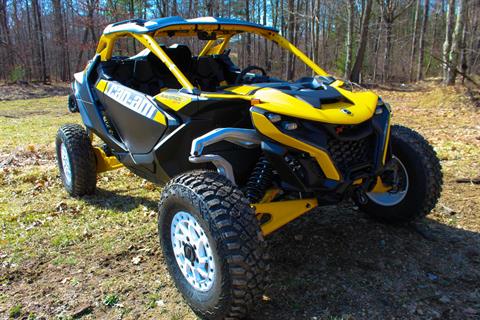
x,y
398,193
192,251
67,170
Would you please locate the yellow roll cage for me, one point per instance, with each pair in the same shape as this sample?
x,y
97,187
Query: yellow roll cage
x,y
223,33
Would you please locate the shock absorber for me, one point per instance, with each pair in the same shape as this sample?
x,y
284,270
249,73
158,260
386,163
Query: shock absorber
x,y
259,180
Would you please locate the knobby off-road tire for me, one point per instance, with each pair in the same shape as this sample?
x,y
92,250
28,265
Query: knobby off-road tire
x,y
76,160
424,179
236,245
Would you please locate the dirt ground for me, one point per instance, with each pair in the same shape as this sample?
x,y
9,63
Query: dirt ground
x,y
98,257
32,90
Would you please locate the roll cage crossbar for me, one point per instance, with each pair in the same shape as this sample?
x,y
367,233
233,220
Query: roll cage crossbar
x,y
221,32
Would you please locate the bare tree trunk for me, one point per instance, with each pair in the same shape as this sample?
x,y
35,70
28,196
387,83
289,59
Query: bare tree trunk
x,y
210,7
132,15
248,46
456,43
32,41
376,48
60,38
423,32
448,37
473,47
291,34
80,53
463,55
414,39
349,42
434,36
66,46
357,67
41,41
388,52
5,41
265,42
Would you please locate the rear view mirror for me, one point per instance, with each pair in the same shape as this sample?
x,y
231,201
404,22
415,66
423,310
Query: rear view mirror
x,y
204,35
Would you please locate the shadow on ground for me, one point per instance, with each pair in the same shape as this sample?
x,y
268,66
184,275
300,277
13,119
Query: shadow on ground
x,y
335,263
118,200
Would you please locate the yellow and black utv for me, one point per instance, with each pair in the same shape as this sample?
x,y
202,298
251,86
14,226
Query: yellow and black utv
x,y
241,153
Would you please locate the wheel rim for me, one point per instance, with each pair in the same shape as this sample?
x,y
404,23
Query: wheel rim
x,y
398,193
192,251
66,168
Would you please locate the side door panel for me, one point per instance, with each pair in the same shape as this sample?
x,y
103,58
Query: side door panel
x,y
138,121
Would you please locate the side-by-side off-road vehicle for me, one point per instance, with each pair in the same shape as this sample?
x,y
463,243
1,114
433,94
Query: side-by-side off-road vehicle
x,y
241,153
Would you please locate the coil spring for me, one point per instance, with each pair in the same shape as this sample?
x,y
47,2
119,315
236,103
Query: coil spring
x,y
259,180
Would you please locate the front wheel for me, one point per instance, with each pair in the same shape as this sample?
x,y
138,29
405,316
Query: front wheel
x,y
212,245
415,176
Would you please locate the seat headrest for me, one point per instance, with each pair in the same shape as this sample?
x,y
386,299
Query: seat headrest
x,y
180,55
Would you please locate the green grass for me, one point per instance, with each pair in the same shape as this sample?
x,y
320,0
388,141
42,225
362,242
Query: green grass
x,y
37,215
111,300
15,311
32,122
40,223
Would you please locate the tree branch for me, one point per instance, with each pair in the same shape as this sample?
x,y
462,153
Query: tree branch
x,y
456,70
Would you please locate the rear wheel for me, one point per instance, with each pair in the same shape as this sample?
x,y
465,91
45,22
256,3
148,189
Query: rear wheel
x,y
415,176
76,160
212,245
72,103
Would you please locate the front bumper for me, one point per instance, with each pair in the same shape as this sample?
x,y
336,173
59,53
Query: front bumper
x,y
317,156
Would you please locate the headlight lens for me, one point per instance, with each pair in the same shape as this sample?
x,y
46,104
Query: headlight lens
x,y
289,125
274,117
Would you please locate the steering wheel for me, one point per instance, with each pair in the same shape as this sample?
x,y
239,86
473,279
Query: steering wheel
x,y
242,74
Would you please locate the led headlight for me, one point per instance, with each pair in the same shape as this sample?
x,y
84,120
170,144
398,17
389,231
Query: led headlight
x,y
274,117
289,125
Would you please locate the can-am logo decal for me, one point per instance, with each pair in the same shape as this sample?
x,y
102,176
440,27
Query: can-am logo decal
x,y
131,100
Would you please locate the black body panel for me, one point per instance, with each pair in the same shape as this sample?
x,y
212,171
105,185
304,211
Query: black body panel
x,y
134,125
172,152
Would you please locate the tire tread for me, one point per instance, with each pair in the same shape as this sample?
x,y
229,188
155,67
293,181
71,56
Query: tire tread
x,y
233,221
82,157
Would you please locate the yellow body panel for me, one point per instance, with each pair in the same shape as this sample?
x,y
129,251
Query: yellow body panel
x,y
264,126
173,100
282,212
362,109
105,163
102,85
241,89
160,118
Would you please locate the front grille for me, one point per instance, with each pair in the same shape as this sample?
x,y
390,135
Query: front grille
x,y
351,155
